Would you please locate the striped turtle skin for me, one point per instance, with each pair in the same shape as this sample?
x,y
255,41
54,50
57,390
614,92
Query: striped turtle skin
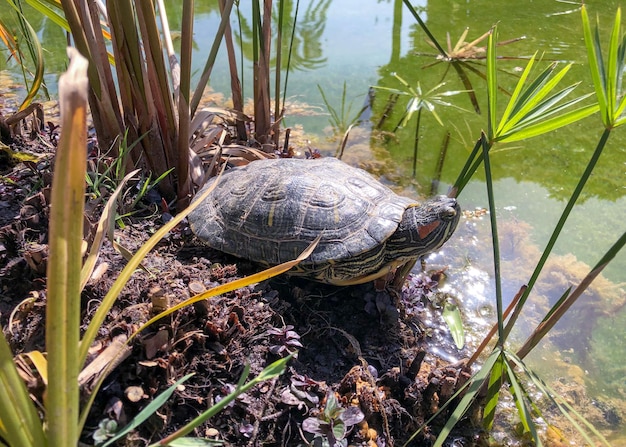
x,y
269,211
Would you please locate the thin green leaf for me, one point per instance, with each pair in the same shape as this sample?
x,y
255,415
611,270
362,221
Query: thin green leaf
x,y
273,370
36,52
516,96
496,380
148,411
548,108
492,85
233,285
125,274
536,87
452,316
594,58
476,384
522,408
19,422
621,55
106,221
612,65
549,125
53,13
532,97
561,403
468,169
208,67
557,304
421,23
619,113
545,107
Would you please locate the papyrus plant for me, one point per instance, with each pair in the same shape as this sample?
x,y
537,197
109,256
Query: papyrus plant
x,y
536,107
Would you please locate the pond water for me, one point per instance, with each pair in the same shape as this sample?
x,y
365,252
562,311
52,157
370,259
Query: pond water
x,y
362,43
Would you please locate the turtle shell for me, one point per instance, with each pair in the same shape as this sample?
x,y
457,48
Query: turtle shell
x,y
269,211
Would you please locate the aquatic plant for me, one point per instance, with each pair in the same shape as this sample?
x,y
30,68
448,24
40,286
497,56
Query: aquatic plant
x,y
535,109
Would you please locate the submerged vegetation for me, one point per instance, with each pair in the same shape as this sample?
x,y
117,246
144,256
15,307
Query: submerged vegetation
x,y
159,136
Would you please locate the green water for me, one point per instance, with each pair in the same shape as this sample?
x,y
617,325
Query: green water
x,y
362,43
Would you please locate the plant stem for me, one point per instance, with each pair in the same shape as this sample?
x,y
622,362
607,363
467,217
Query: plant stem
x,y
494,237
559,226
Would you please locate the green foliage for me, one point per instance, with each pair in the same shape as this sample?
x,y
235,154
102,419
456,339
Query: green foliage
x,y
106,173
535,108
333,424
607,77
452,316
340,120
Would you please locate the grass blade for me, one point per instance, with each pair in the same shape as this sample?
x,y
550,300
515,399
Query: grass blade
x,y
543,127
492,84
273,370
19,422
476,384
523,411
596,65
107,220
234,285
496,380
148,411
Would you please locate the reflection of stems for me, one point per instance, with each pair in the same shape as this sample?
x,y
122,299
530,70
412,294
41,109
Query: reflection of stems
x,y
391,102
417,138
396,33
425,29
442,156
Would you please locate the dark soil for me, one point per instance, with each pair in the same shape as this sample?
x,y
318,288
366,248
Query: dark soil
x,y
367,347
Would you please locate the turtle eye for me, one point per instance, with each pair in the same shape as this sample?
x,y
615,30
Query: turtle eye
x,y
448,213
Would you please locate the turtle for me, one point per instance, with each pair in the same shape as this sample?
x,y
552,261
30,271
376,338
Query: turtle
x,y
270,210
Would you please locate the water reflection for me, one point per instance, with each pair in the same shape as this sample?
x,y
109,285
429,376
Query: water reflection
x,y
305,52
363,43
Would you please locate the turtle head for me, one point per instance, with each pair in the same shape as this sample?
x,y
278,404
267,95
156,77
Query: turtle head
x,y
424,228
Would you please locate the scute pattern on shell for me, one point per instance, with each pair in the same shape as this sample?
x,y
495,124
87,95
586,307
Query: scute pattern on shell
x,y
270,210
